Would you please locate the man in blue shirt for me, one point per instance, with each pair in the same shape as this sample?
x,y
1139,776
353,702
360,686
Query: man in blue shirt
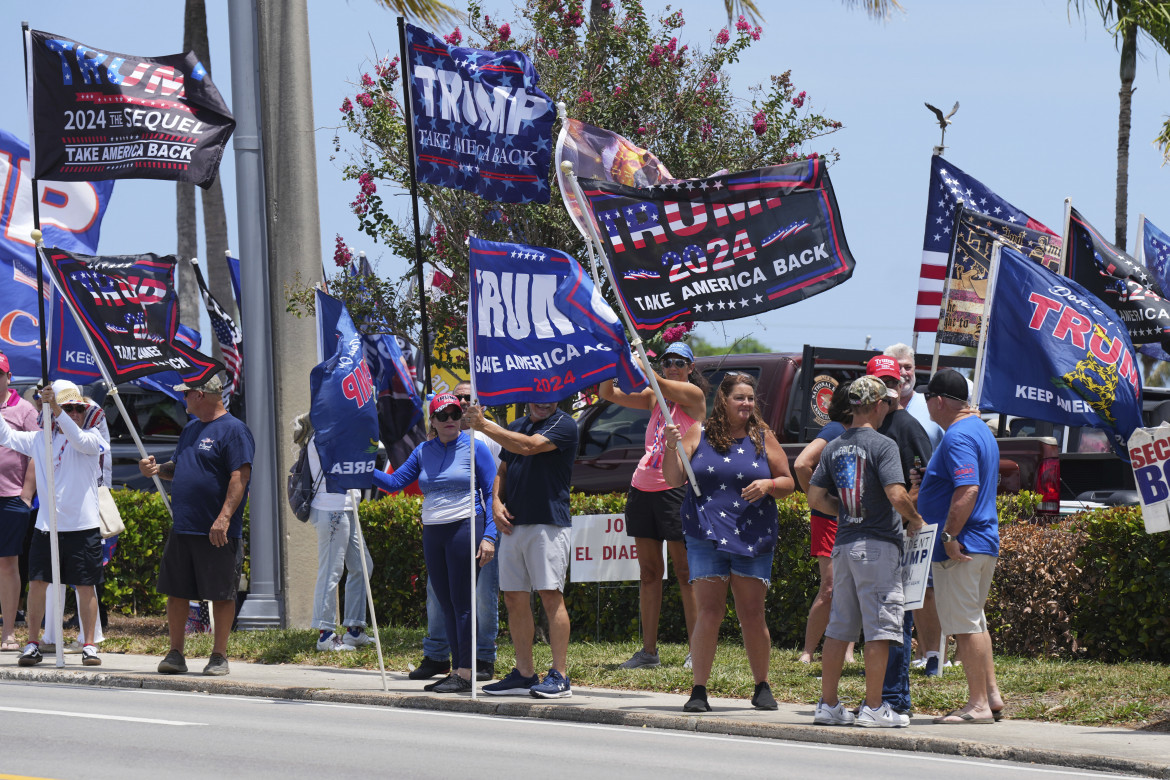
x,y
958,494
531,509
204,555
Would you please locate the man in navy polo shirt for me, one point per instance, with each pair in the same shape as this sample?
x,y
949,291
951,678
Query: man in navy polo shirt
x,y
531,509
210,468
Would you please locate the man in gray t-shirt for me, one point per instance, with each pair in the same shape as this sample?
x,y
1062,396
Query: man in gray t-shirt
x,y
865,471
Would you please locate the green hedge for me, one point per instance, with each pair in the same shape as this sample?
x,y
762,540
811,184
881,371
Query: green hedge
x,y
1093,586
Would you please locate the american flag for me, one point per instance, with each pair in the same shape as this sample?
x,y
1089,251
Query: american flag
x,y
1155,249
227,333
950,188
849,476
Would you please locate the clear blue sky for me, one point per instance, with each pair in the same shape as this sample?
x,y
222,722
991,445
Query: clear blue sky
x,y
1037,123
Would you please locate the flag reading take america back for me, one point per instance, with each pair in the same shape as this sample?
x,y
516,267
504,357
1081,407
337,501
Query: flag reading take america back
x,y
724,247
100,115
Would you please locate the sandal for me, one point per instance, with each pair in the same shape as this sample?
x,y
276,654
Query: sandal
x,y
9,647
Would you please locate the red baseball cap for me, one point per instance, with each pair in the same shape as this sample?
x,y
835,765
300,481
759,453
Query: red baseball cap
x,y
4,367
883,366
443,400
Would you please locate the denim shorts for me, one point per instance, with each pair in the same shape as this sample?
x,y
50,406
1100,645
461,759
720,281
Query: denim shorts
x,y
706,560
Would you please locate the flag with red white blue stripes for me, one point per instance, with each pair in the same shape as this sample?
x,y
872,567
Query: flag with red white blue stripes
x,y
227,335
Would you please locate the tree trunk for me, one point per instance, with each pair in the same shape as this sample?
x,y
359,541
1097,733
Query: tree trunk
x,y
1124,115
187,247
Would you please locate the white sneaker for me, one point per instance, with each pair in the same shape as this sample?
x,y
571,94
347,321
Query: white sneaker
x,y
332,643
881,718
687,663
836,715
918,663
353,642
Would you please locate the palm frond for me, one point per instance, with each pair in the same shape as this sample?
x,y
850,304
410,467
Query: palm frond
x,y
432,13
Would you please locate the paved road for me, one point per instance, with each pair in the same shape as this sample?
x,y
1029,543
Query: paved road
x,y
59,731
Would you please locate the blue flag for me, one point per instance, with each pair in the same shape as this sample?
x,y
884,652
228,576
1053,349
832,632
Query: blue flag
x,y
344,410
233,264
526,346
1055,352
71,218
480,123
1156,256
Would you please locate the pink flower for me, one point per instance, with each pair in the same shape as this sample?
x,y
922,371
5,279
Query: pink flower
x,y
341,254
760,123
722,37
367,81
346,107
813,155
617,91
455,38
505,31
586,97
552,53
364,100
757,32
606,6
742,24
574,19
655,58
642,130
366,180
798,101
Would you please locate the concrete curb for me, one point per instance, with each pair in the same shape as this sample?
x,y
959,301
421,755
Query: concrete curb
x,y
513,708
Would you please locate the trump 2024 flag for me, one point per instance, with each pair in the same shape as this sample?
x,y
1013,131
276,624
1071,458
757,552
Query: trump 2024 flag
x,y
100,115
1055,352
538,329
480,123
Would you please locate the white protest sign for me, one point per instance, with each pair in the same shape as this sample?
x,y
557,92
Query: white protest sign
x,y
1149,455
601,551
916,552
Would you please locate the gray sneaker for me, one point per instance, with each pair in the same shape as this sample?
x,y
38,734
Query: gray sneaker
x,y
217,666
174,663
641,659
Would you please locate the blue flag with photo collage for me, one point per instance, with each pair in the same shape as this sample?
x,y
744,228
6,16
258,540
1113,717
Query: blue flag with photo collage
x,y
480,123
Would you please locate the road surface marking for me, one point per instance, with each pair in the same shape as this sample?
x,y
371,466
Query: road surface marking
x,y
64,714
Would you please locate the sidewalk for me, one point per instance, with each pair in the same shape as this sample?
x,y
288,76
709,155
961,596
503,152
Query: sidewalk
x,y
1106,749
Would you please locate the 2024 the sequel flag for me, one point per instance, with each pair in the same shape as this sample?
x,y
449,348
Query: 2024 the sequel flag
x,y
1120,281
539,330
100,115
480,123
1056,352
721,248
966,288
127,304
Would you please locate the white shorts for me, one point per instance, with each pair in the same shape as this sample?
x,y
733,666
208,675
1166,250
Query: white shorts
x,y
534,557
960,591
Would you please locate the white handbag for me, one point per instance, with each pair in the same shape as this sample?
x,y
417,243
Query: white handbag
x,y
112,524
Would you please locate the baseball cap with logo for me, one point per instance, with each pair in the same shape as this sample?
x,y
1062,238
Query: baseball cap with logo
x,y
213,384
883,366
443,400
948,383
868,390
681,349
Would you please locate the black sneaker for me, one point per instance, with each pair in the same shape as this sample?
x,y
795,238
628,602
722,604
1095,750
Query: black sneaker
x,y
90,657
762,699
174,663
484,670
30,655
429,668
452,684
217,666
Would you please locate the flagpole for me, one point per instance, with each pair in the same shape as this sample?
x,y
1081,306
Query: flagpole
x,y
981,350
356,497
471,434
1139,249
563,115
636,342
408,113
112,388
1062,270
946,297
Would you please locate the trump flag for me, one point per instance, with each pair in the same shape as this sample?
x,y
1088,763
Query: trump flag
x,y
1055,352
539,330
480,123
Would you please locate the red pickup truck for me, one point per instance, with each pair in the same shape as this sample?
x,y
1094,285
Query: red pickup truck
x,y
792,402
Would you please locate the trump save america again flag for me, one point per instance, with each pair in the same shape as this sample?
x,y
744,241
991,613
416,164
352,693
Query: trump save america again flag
x,y
721,248
99,115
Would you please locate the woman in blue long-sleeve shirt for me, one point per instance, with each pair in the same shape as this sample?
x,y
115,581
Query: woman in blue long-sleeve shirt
x,y
442,467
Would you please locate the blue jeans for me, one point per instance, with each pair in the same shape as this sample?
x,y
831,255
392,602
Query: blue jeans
x,y
487,613
338,550
896,685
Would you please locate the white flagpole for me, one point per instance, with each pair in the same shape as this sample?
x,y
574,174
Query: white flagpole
x,y
567,167
1063,269
981,350
471,436
112,388
1139,249
356,497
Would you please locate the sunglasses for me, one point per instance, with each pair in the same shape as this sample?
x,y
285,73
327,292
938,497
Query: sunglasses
x,y
73,407
444,415
464,398
675,363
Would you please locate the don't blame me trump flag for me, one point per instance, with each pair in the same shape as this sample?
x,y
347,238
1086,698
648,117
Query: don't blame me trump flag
x,y
539,330
721,248
1055,352
480,123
